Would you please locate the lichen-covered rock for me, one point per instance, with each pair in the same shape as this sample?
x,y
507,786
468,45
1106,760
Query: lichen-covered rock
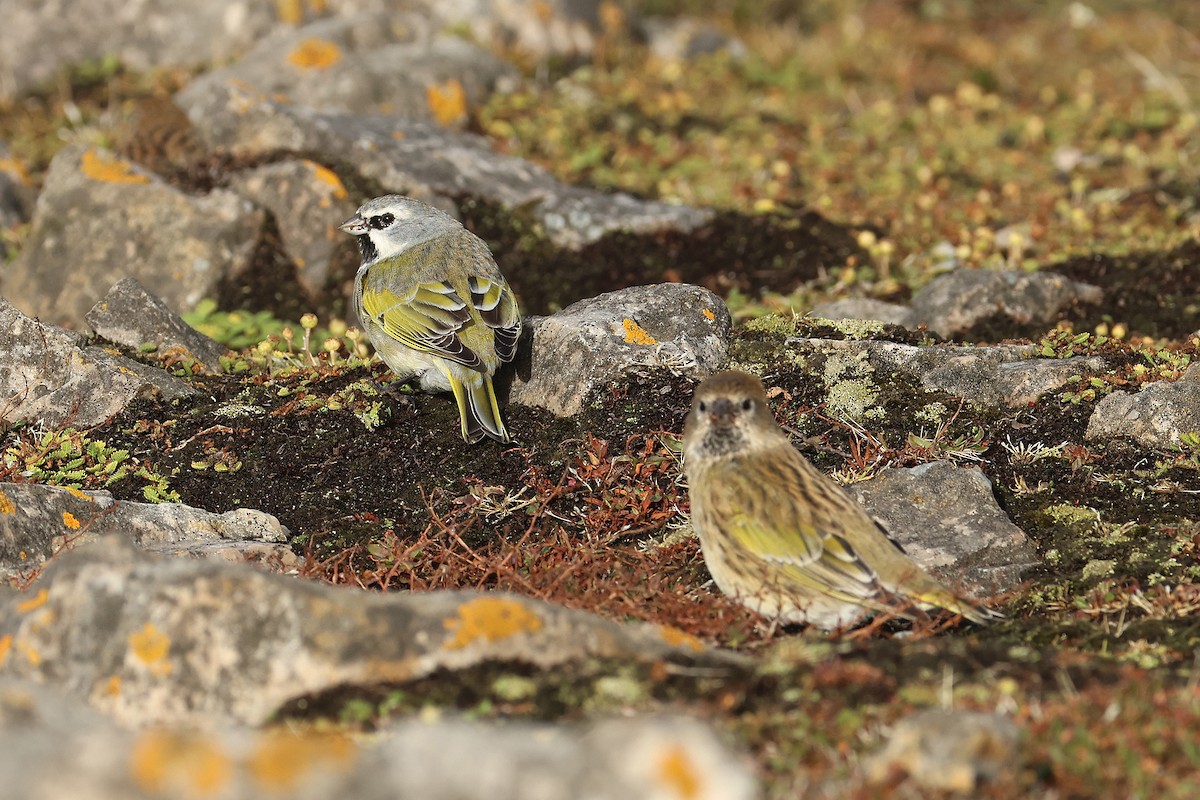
x,y
947,519
658,757
100,219
954,303
309,202
674,326
175,640
129,315
48,376
423,160
948,750
37,521
866,308
1152,417
387,63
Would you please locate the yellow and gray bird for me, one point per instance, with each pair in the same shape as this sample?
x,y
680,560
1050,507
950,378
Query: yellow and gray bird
x,y
435,306
778,535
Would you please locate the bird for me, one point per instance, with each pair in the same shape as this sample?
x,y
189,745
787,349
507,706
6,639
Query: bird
x,y
781,537
434,305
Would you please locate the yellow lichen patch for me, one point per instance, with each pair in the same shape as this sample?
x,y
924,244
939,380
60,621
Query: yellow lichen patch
x,y
112,686
151,646
31,653
636,334
678,638
283,759
313,53
6,504
677,772
179,764
82,495
447,101
35,602
328,177
70,520
490,619
110,169
709,315
5,646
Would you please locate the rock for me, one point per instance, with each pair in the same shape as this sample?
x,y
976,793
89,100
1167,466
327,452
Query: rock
x,y
1153,417
151,640
39,40
539,27
37,521
950,751
1006,376
955,303
130,316
674,326
947,519
685,38
47,376
100,219
309,202
864,308
665,757
425,161
383,63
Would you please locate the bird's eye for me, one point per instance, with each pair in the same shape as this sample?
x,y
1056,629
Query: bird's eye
x,y
747,405
380,222
702,406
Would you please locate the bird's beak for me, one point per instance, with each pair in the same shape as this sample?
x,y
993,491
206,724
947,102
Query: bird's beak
x,y
355,226
721,412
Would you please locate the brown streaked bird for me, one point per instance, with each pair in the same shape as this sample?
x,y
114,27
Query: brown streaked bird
x,y
781,537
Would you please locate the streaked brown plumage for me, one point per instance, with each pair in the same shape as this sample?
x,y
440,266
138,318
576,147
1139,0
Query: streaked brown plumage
x,y
780,536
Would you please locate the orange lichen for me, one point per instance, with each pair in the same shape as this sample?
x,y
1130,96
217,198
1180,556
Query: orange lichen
x,y
330,178
108,168
82,495
112,687
180,764
313,53
283,759
70,520
490,619
636,334
6,504
5,646
447,101
678,638
35,602
151,646
677,771
709,315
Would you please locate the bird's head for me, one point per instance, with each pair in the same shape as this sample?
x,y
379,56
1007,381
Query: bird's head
x,y
389,225
729,414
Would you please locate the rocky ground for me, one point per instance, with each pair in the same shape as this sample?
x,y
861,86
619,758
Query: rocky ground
x,y
959,246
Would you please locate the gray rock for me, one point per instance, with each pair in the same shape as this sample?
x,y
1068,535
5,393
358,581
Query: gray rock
x,y
952,304
309,202
947,519
864,308
685,38
38,40
425,161
996,376
387,63
539,27
151,640
1153,417
46,519
48,377
663,757
100,219
130,316
675,326
948,750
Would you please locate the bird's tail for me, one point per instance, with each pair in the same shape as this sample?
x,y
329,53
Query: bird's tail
x,y
943,598
478,409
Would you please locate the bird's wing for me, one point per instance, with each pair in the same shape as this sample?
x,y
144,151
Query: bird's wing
x,y
427,318
784,522
497,306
